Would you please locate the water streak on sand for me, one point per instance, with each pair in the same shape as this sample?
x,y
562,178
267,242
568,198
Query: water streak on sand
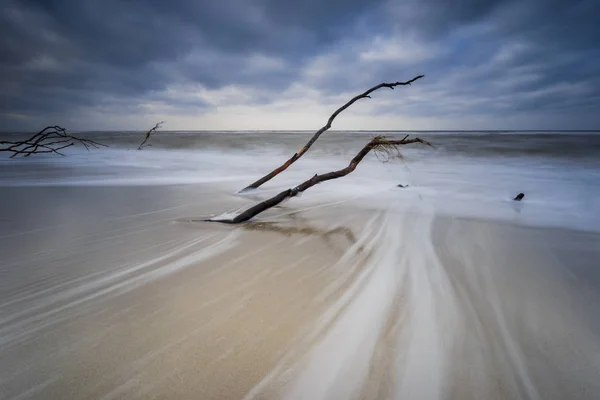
x,y
394,330
340,364
18,326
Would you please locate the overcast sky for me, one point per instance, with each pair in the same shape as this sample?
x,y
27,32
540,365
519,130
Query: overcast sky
x,y
284,64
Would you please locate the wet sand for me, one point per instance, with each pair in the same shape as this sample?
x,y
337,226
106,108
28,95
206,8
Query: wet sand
x,y
122,293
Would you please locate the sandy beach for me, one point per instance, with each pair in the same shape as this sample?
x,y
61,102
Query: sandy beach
x,y
122,293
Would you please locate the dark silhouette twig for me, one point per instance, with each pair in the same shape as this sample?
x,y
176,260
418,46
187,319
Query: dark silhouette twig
x,y
148,134
313,139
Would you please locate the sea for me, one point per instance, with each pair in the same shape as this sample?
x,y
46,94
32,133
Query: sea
x,y
469,174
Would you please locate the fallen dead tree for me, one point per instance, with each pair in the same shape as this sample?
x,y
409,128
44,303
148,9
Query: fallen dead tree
x,y
379,144
51,139
325,128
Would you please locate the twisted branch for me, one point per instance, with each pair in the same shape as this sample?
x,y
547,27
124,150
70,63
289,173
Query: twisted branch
x,y
307,146
379,144
51,139
150,132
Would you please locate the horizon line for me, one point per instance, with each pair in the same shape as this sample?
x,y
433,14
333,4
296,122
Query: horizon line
x,y
331,130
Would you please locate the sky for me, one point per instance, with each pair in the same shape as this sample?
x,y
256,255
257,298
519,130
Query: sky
x,y
284,64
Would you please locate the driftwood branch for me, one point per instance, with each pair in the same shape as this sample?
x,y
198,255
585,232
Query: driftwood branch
x,y
148,134
313,139
380,145
51,139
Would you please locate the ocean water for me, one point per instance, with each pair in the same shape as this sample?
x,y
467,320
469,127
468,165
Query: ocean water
x,y
472,174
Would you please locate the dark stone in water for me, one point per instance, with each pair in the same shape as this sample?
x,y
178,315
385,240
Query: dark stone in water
x,y
519,197
401,185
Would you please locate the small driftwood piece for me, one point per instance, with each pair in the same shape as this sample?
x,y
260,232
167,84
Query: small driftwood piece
x,y
382,147
51,139
325,128
148,134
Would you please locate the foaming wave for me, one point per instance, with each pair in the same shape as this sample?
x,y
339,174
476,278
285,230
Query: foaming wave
x,y
559,191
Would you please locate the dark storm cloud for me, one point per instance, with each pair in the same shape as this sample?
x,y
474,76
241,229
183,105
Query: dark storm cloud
x,y
433,18
484,57
504,57
68,53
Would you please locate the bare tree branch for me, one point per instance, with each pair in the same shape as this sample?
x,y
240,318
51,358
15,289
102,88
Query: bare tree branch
x,y
327,126
148,134
51,139
378,144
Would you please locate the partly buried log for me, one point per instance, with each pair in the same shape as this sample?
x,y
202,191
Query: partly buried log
x,y
51,139
314,138
379,144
